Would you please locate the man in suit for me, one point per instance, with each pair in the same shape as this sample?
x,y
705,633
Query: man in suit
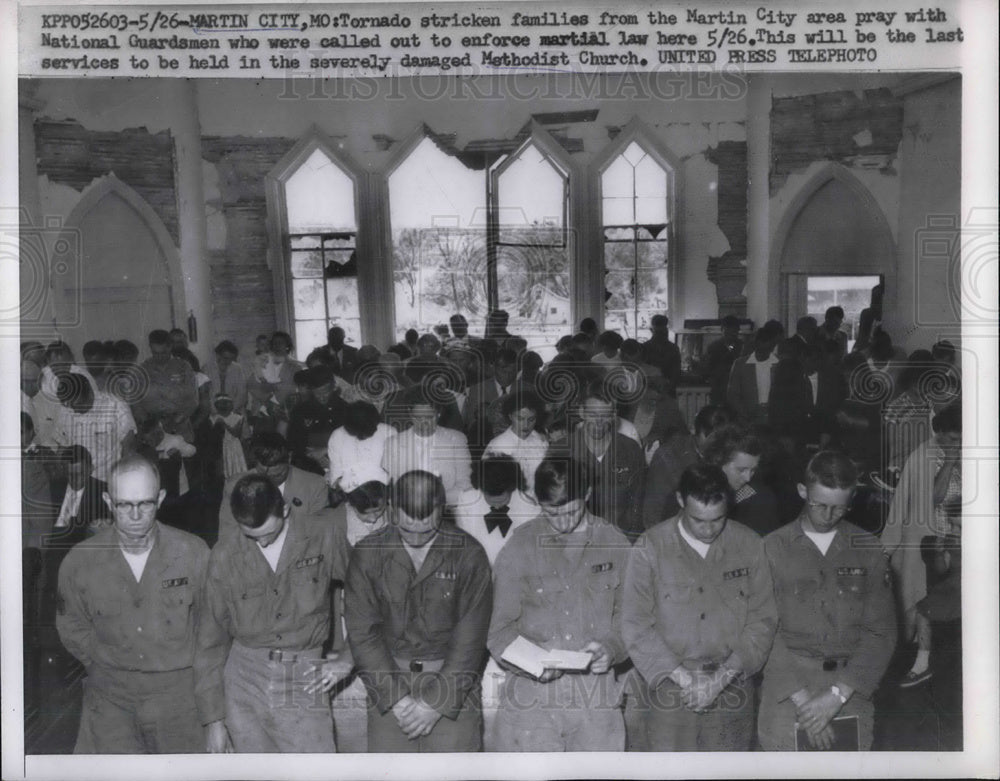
x,y
304,493
750,379
482,408
660,352
345,358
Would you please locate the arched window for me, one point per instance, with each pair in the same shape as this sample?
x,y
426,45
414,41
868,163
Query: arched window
x,y
637,218
313,224
530,207
438,238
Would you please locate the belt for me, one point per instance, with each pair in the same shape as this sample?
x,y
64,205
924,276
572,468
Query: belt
x,y
420,665
696,665
828,664
282,655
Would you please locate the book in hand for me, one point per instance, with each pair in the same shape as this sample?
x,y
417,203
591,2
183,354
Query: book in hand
x,y
534,659
846,736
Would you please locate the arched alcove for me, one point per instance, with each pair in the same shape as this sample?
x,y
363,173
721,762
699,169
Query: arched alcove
x,y
833,226
122,273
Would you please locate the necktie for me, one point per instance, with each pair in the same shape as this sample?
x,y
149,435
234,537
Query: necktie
x,y
222,380
498,516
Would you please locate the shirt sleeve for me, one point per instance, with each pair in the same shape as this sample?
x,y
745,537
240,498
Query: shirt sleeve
x,y
213,639
754,643
651,655
366,634
507,581
467,648
73,621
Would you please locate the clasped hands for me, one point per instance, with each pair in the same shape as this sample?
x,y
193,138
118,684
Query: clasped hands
x,y
700,689
415,717
814,710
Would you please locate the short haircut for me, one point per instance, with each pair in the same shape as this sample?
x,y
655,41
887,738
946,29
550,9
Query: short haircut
x,y
56,350
256,498
705,483
269,448
808,321
520,399
588,325
159,337
500,473
774,328
726,442
417,493
943,350
561,480
282,335
631,347
411,335
361,419
134,462
93,349
319,356
428,340
73,387
762,337
834,311
506,357
174,331
611,339
335,332
948,420
831,469
126,350
659,321
225,346
712,417
564,342
730,321
368,495
76,454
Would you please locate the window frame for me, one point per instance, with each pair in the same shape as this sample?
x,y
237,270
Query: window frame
x,y
558,158
279,249
636,131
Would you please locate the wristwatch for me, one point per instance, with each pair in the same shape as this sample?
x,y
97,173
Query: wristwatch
x,y
839,694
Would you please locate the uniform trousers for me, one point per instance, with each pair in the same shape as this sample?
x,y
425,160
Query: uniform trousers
x,y
267,707
463,733
727,725
576,712
776,722
139,713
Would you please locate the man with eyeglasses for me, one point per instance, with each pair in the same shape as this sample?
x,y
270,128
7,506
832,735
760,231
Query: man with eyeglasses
x,y
128,601
837,623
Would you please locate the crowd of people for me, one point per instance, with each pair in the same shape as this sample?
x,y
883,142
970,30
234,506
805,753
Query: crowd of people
x,y
504,552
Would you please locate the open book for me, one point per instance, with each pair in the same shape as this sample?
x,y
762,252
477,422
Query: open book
x,y
534,659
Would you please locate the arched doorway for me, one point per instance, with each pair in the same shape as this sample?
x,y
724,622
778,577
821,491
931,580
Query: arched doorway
x,y
123,276
832,246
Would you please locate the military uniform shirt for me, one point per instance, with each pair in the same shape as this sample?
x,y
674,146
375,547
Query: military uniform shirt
x,y
837,606
105,618
246,601
560,590
682,608
440,612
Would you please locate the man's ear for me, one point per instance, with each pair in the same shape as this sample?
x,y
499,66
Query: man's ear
x,y
586,496
161,496
680,499
803,491
107,500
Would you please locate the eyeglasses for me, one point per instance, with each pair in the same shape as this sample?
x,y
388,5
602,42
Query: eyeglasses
x,y
833,510
145,506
